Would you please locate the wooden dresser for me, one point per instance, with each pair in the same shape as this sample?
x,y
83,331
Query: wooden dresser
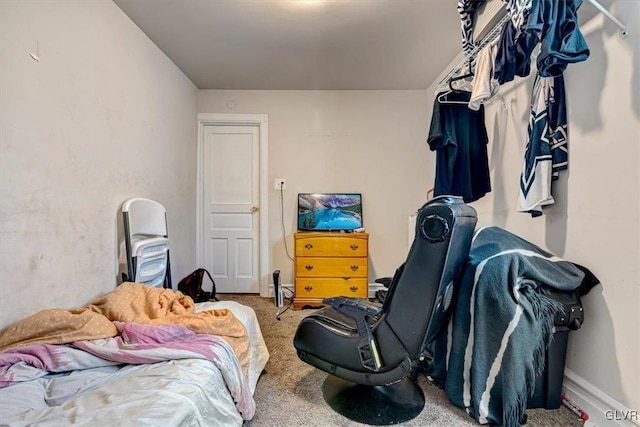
x,y
330,264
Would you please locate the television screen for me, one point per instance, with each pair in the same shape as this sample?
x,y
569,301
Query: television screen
x,y
329,211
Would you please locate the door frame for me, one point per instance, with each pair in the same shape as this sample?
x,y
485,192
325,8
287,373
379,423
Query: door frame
x,y
260,120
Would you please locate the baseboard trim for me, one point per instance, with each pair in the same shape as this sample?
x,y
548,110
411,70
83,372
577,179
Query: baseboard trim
x,y
271,292
373,288
603,410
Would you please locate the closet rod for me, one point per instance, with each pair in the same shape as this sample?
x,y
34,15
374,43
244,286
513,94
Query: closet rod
x,y
605,12
471,56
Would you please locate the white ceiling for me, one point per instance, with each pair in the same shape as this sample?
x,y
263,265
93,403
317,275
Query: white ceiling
x,y
303,44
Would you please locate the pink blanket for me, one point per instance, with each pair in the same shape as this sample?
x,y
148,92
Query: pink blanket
x,y
135,344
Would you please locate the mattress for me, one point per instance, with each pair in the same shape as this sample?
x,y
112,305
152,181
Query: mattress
x,y
174,392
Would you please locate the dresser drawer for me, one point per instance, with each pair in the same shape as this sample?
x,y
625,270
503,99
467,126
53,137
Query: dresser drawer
x,y
331,267
331,246
328,265
329,287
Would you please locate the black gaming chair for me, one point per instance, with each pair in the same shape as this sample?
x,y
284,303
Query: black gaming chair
x,y
373,351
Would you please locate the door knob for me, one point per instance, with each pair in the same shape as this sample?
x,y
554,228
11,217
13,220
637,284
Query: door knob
x,y
254,209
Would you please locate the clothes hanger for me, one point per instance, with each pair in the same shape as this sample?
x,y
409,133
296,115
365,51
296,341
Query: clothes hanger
x,y
442,97
456,79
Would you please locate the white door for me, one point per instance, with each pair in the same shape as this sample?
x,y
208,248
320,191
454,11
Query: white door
x,y
231,194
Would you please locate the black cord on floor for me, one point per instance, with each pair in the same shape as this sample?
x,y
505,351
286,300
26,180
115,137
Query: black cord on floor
x,y
290,299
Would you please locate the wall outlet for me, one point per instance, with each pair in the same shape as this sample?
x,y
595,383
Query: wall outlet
x,y
280,184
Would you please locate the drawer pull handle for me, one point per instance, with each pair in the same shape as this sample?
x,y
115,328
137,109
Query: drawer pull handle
x,y
353,288
309,267
308,288
308,246
354,268
346,278
354,247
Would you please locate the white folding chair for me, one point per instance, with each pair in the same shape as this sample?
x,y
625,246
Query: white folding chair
x,y
147,242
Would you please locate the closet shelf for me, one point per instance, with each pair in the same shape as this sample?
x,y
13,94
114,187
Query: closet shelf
x,y
467,61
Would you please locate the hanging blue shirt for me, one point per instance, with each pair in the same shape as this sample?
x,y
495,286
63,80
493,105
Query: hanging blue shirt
x,y
561,41
513,57
459,137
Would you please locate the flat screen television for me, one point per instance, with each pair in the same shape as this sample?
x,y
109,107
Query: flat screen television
x,y
329,211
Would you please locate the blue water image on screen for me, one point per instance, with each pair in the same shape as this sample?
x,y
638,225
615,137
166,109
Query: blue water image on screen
x,y
329,211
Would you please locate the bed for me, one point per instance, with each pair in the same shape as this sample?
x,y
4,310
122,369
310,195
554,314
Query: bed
x,y
136,356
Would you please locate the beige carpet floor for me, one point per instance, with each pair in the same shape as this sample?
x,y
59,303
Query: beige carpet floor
x,y
289,393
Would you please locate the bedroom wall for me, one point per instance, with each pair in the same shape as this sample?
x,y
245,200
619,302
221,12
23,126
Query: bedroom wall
x,y
372,142
595,220
101,117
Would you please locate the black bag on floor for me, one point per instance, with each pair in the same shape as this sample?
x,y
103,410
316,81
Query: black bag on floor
x,y
192,286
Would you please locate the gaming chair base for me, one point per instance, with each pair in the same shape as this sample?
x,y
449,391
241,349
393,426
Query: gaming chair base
x,y
374,405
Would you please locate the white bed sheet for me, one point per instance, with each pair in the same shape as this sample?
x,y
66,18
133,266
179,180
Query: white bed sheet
x,y
189,392
246,315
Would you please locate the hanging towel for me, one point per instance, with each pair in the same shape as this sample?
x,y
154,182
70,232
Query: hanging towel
x,y
466,9
518,11
547,149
